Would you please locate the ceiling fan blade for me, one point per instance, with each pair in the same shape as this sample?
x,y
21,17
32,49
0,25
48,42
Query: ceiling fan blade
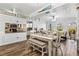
x,y
7,10
10,11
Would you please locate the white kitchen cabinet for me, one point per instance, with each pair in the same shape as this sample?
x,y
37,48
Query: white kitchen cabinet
x,y
14,37
21,36
1,40
8,38
2,31
9,19
21,21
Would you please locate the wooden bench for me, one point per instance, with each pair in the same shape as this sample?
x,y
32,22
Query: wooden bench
x,y
38,45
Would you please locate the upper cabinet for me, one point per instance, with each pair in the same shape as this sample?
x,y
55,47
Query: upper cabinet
x,y
12,19
14,24
12,29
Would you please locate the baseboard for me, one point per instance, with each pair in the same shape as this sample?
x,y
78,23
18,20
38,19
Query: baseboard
x,y
13,43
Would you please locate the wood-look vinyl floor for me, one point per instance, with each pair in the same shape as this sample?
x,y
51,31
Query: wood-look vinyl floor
x,y
20,49
17,49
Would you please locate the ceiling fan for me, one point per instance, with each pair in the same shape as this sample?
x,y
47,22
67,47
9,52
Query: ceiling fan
x,y
13,11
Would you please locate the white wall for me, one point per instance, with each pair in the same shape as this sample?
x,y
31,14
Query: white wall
x,y
40,23
65,14
66,21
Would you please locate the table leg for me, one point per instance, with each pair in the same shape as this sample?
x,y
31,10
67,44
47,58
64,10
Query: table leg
x,y
50,48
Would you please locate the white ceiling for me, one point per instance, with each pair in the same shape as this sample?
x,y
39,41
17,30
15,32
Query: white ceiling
x,y
53,6
26,8
22,8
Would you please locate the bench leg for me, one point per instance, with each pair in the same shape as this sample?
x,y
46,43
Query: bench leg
x,y
33,48
42,52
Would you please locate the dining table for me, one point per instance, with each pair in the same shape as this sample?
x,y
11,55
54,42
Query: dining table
x,y
46,38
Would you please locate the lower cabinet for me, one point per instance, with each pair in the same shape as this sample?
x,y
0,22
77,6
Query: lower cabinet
x,y
21,36
10,38
13,38
1,40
